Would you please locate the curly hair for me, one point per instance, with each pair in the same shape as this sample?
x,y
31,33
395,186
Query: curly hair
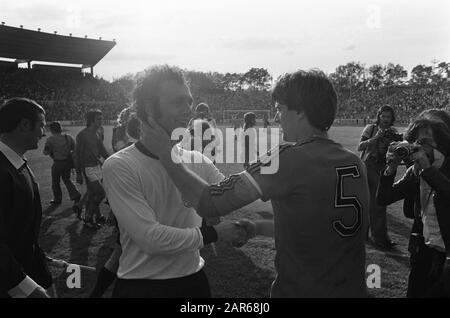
x,y
148,87
385,108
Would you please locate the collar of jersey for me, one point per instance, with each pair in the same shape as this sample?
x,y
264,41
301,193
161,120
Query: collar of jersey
x,y
312,138
145,151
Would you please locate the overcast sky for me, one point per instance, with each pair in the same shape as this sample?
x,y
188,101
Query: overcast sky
x,y
235,35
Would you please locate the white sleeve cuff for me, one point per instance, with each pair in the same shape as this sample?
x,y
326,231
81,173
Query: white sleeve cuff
x,y
24,289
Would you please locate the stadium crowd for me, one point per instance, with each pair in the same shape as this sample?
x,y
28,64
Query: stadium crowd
x,y
67,94
407,101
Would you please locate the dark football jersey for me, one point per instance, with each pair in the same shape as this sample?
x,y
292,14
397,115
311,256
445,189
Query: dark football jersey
x,y
320,199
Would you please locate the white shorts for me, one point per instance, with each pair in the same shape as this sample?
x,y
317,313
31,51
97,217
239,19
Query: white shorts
x,y
93,173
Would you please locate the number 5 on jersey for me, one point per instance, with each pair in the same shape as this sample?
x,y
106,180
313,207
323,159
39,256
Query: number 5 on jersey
x,y
341,201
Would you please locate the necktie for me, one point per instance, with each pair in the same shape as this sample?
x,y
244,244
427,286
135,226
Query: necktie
x,y
25,171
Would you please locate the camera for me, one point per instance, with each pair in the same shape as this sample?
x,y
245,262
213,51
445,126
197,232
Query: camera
x,y
392,136
404,150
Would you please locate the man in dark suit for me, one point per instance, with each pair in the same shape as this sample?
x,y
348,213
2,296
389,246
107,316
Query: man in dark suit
x,y
23,268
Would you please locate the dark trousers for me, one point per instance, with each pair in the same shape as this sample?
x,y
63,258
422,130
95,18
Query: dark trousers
x,y
94,196
377,213
426,278
62,169
192,286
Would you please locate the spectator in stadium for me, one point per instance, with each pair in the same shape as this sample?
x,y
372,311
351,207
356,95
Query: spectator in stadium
x,y
89,151
23,267
160,233
319,193
425,189
60,148
374,143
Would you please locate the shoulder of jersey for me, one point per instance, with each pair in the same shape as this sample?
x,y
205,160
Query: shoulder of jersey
x,y
265,160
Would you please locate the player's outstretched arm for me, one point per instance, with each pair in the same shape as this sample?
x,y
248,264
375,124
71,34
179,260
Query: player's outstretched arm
x,y
208,200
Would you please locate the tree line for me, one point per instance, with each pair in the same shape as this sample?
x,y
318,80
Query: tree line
x,y
355,75
251,89
351,76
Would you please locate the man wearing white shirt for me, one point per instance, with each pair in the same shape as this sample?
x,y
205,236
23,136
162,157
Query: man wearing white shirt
x,y
23,268
160,232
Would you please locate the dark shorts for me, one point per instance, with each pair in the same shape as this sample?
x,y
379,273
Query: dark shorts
x,y
192,286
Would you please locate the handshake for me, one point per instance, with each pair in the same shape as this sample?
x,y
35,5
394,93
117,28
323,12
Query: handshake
x,y
235,232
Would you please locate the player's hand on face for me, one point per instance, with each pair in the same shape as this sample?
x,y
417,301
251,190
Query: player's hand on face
x,y
230,232
249,226
155,138
421,159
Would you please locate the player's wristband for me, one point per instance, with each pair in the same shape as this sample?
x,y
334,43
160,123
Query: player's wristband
x,y
209,233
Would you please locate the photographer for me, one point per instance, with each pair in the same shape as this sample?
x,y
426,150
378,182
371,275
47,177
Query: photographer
x,y
425,187
374,143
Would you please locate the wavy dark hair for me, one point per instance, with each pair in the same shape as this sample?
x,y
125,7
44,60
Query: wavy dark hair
x,y
441,132
311,92
385,108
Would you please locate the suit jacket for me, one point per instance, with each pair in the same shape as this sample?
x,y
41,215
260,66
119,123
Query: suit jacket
x,y
408,188
20,220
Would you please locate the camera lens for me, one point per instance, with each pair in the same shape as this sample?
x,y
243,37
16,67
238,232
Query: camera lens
x,y
402,152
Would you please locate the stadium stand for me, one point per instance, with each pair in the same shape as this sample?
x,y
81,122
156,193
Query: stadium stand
x,y
64,91
408,101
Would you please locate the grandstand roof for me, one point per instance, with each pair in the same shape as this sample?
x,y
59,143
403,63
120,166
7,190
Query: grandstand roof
x,y
22,44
